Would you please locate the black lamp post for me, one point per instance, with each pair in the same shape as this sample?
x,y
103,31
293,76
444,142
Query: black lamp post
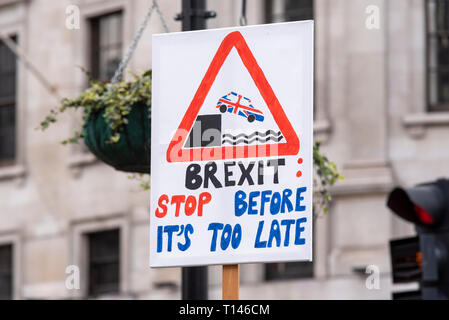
x,y
193,17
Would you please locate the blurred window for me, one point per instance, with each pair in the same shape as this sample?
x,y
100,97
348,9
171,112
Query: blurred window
x,y
288,270
106,45
288,10
6,272
438,54
104,262
8,70
281,11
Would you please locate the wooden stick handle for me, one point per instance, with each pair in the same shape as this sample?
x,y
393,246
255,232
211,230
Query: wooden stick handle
x,y
231,282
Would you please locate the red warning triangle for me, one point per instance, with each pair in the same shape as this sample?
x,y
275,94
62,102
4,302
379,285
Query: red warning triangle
x,y
176,151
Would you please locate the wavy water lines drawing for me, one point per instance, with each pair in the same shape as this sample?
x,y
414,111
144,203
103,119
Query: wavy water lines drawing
x,y
261,137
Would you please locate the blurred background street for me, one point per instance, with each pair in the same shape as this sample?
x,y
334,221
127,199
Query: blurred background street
x,y
381,113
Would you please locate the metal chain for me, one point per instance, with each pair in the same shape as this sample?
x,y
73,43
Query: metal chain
x,y
161,16
135,40
118,73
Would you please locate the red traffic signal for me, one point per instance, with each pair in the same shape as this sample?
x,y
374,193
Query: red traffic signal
x,y
427,206
424,204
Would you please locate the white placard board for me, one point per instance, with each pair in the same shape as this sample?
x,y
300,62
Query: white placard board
x,y
232,145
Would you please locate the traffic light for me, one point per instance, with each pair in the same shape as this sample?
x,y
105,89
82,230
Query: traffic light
x,y
406,265
427,207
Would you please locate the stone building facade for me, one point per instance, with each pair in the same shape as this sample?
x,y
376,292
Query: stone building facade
x,y
379,113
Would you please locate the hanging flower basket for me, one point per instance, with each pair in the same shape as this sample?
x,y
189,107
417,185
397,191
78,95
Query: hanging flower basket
x,y
131,153
116,122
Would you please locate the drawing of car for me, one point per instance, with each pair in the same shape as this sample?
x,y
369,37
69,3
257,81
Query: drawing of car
x,y
237,104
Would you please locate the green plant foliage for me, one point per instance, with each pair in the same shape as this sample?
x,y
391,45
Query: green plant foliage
x,y
326,174
115,99
142,179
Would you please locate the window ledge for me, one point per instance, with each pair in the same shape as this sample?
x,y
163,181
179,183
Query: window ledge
x,y
322,129
8,2
416,123
12,172
80,160
321,126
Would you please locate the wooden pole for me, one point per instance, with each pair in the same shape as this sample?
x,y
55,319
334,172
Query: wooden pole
x,y
231,282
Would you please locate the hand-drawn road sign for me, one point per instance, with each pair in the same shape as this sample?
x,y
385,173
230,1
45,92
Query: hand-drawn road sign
x,y
289,147
231,131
